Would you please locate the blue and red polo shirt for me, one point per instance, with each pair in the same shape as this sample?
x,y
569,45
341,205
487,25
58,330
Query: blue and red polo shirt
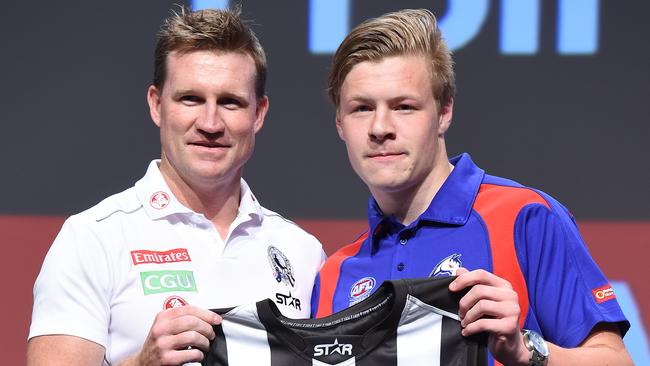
x,y
481,221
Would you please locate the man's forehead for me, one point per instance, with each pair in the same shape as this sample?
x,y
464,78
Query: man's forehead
x,y
397,67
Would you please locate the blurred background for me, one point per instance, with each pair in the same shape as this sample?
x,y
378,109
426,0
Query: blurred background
x,y
553,93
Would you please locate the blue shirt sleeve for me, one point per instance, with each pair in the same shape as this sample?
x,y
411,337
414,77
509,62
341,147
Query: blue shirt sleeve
x,y
561,276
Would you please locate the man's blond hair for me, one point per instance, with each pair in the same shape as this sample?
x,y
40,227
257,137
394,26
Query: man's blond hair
x,y
404,32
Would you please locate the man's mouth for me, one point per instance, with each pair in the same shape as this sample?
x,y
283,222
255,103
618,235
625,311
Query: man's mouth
x,y
384,154
208,144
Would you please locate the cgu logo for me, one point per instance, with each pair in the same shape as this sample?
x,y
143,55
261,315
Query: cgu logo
x,y
362,288
329,349
155,282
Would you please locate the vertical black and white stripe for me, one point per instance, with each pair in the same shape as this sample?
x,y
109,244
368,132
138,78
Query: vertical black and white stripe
x,y
405,322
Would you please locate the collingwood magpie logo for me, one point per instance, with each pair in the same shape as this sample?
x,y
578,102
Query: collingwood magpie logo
x,y
330,349
281,266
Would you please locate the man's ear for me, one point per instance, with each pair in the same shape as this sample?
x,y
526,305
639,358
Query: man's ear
x,y
153,99
444,118
339,128
260,112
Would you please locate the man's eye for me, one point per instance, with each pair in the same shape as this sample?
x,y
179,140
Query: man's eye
x,y
190,99
230,102
362,108
404,107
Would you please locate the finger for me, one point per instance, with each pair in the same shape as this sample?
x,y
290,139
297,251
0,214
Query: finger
x,y
189,339
476,277
453,286
203,314
496,327
190,323
483,292
179,357
492,310
171,327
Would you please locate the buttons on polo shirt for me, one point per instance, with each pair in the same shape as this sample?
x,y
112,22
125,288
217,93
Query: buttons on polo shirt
x,y
403,241
400,266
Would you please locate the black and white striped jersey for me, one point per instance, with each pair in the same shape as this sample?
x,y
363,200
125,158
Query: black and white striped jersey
x,y
405,322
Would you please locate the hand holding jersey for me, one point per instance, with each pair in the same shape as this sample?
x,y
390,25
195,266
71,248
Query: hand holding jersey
x,y
177,336
491,306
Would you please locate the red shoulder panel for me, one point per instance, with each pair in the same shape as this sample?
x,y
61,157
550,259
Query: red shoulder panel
x,y
499,207
329,275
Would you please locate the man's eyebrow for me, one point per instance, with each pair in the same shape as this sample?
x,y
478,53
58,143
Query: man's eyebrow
x,y
179,92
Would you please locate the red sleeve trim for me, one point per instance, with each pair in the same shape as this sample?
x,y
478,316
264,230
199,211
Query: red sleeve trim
x,y
330,273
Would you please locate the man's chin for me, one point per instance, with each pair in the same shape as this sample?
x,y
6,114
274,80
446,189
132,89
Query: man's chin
x,y
385,184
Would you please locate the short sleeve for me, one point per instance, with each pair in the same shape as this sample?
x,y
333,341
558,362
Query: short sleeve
x,y
561,276
71,293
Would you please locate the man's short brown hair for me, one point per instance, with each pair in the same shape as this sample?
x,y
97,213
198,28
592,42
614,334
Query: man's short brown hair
x,y
404,32
219,30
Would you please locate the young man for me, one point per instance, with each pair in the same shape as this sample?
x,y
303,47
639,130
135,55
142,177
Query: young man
x,y
392,83
130,280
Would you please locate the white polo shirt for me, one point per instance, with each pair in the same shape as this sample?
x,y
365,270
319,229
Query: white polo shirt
x,y
112,268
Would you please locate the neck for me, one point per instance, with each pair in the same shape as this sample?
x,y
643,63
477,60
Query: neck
x,y
409,203
217,201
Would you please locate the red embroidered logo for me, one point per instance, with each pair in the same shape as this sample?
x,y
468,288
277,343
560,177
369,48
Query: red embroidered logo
x,y
603,294
174,302
159,200
150,256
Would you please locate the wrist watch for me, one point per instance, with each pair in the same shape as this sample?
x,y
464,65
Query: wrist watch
x,y
537,347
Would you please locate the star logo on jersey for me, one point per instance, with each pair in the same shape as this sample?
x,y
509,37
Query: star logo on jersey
x,y
282,270
174,302
287,300
330,349
447,266
361,289
159,200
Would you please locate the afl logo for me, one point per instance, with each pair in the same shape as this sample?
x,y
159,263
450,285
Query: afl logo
x,y
159,200
281,266
174,302
361,289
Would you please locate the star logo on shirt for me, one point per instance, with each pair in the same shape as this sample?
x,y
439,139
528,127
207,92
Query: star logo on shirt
x,y
332,348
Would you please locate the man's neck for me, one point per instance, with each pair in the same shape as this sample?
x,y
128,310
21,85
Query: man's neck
x,y
218,202
408,204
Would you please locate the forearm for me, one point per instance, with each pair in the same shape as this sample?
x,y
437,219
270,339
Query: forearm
x,y
131,361
588,355
63,350
603,346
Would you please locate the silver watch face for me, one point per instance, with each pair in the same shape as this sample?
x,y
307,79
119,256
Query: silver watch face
x,y
538,343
